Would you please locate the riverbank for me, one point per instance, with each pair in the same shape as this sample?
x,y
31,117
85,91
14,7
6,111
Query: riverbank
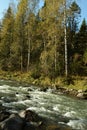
x,y
74,86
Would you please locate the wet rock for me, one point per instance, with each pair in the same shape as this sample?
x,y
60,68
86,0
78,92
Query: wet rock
x,y
85,95
44,89
58,127
4,112
22,114
73,92
1,106
14,122
30,89
82,95
52,126
29,126
28,96
31,116
17,93
33,121
80,91
29,120
32,126
63,119
4,115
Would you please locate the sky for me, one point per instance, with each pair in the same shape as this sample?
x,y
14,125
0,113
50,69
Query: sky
x,y
82,3
3,6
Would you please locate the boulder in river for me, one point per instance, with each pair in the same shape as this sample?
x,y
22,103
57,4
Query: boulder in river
x,y
82,95
29,120
4,115
14,122
80,91
31,116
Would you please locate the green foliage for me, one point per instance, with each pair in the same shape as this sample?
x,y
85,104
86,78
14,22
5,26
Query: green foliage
x,y
36,74
7,32
45,81
34,42
85,57
80,83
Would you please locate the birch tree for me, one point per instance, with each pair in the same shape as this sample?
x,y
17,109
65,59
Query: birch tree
x,y
30,24
51,26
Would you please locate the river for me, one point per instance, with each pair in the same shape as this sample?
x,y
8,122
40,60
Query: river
x,y
58,107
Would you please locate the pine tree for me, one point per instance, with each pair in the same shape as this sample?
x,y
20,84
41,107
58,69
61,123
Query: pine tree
x,y
72,28
6,39
0,30
83,37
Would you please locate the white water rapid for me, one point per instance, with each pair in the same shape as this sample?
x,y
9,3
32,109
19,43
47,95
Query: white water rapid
x,y
58,107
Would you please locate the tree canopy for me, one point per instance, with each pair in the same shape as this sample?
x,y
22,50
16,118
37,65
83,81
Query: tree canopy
x,y
32,39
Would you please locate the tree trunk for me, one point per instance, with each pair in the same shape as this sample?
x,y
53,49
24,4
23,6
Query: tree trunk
x,y
55,56
45,61
65,41
28,60
21,61
45,52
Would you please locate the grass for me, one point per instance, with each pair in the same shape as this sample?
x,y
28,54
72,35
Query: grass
x,y
79,84
76,82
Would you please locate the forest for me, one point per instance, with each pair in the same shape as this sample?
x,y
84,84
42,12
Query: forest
x,y
45,40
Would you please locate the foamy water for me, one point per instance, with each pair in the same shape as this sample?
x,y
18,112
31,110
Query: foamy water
x,y
59,108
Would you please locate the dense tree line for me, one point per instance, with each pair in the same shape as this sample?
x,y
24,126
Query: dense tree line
x,y
32,39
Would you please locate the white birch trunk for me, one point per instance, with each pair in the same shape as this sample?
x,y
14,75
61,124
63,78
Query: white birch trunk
x,y
65,41
28,57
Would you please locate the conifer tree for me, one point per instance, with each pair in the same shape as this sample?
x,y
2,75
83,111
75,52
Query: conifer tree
x,y
6,39
72,28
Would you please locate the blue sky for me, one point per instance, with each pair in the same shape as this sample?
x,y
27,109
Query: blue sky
x,y
82,3
3,6
83,6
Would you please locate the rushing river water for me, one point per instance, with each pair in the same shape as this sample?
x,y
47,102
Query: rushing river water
x,y
59,108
